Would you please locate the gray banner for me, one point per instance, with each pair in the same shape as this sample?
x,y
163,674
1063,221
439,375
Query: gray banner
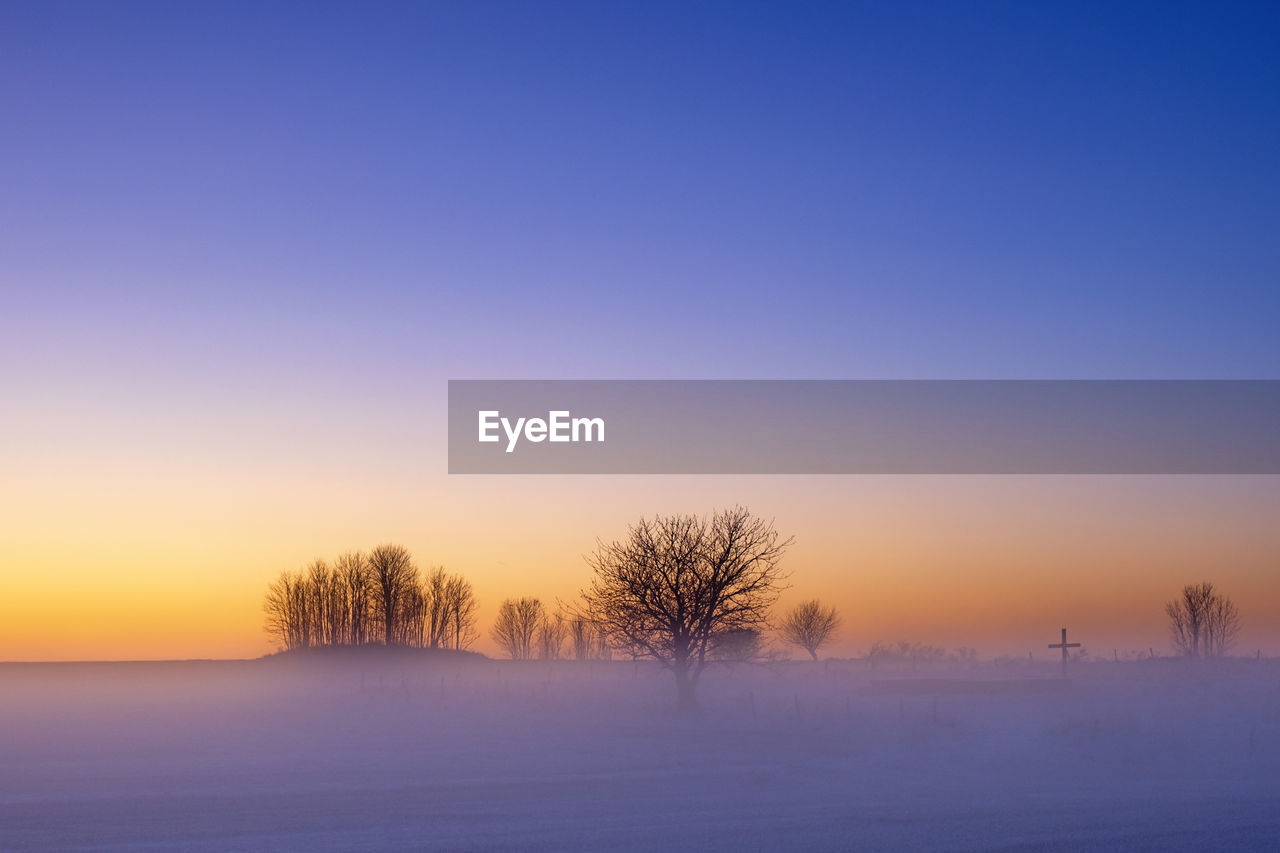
x,y
864,427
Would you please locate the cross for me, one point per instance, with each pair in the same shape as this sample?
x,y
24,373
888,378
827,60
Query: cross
x,y
1064,645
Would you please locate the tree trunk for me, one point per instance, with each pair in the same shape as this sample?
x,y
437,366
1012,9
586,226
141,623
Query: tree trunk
x,y
686,697
813,653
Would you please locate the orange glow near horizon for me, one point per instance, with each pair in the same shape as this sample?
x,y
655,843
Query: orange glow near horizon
x,y
103,572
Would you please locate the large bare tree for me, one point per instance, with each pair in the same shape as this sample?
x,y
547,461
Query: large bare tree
x,y
809,625
516,626
1202,621
674,584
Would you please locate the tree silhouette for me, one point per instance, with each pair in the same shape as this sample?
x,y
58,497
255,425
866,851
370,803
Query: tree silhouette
x,y
457,605
589,642
356,578
1202,621
809,625
395,578
285,606
550,635
324,603
516,626
448,610
378,598
675,583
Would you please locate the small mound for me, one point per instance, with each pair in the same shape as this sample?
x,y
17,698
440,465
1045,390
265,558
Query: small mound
x,y
372,653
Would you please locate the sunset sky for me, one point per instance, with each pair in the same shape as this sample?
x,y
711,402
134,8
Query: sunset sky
x,y
243,248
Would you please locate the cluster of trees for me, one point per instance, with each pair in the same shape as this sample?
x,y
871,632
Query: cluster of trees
x,y
525,629
1203,622
375,597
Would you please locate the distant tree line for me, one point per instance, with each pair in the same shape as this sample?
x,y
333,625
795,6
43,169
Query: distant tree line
x,y
917,653
376,597
525,629
683,590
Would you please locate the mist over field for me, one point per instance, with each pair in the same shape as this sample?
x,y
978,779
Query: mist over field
x,y
952,324
437,750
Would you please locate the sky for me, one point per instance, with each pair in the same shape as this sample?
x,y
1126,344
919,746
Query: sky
x,y
243,248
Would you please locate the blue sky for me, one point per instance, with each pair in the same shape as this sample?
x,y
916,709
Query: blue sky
x,y
412,192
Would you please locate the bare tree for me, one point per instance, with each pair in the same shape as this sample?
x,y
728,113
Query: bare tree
x,y
462,615
411,618
286,611
516,626
1202,621
324,603
353,573
589,642
550,635
449,609
809,625
435,602
395,578
459,609
674,583
1223,627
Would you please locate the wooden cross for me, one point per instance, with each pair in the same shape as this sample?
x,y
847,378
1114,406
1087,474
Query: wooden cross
x,y
1064,645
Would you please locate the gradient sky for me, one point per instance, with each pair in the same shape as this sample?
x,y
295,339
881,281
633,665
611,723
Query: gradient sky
x,y
243,246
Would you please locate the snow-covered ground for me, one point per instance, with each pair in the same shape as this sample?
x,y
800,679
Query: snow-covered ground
x,y
394,753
